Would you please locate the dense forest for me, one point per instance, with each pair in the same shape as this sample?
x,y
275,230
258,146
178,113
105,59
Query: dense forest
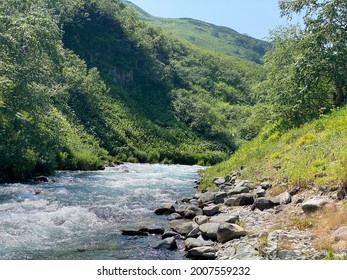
x,y
84,82
87,82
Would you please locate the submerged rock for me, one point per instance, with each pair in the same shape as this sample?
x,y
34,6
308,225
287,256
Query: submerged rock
x,y
165,210
168,243
133,233
153,230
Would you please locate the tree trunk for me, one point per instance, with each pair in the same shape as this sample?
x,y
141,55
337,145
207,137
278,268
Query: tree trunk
x,y
339,96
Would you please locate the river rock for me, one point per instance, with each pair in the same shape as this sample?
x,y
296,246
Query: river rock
x,y
193,242
133,233
209,230
195,209
174,216
238,190
210,210
195,232
165,210
168,243
41,179
227,231
219,197
219,181
201,219
205,252
259,192
189,214
153,230
240,200
182,210
340,234
314,204
262,203
283,198
240,249
168,234
182,227
207,197
225,218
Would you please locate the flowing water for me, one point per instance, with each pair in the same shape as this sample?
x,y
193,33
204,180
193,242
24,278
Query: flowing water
x,y
76,214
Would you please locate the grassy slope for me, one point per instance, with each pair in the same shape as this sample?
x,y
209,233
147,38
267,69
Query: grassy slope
x,y
209,36
314,154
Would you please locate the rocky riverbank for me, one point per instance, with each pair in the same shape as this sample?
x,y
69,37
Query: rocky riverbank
x,y
238,220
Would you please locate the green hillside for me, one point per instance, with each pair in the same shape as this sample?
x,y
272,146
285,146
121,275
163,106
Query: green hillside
x,y
312,155
305,143
83,82
217,38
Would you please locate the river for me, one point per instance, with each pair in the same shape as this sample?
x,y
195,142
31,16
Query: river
x,y
76,214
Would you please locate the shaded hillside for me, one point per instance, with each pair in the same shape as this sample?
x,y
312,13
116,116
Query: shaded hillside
x,y
88,81
206,35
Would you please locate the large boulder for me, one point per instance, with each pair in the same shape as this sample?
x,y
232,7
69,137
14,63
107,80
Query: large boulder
x,y
210,210
193,242
209,230
262,203
314,204
240,200
205,252
168,243
165,210
219,197
225,218
283,198
227,232
182,227
207,197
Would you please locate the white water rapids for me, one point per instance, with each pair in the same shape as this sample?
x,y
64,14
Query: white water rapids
x,y
76,214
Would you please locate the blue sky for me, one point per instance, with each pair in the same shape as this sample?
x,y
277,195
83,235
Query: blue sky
x,y
254,17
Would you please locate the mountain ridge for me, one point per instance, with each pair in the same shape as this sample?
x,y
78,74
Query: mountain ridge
x,y
210,36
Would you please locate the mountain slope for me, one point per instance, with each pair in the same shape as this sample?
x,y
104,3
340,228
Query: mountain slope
x,y
217,38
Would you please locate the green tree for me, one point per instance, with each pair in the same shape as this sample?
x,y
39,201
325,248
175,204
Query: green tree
x,y
324,41
296,91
